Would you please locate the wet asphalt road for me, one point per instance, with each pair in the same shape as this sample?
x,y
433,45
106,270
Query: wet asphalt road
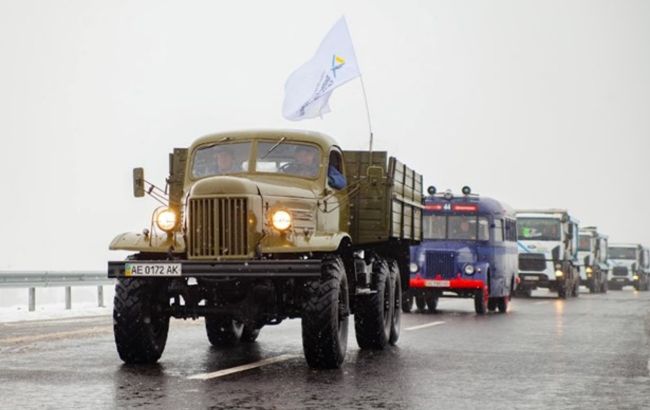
x,y
590,352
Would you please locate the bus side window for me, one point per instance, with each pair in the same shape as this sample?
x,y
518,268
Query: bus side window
x,y
511,230
498,230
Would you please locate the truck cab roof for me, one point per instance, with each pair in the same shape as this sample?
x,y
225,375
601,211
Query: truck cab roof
x,y
324,141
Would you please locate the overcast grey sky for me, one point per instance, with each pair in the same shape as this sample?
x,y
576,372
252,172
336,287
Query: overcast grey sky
x,y
537,103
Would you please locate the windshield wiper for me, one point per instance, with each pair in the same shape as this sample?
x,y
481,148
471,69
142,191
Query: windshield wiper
x,y
277,144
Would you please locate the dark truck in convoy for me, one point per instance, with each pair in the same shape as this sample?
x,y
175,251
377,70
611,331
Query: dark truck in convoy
x,y
259,226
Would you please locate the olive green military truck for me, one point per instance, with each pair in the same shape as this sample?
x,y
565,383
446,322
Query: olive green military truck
x,y
256,227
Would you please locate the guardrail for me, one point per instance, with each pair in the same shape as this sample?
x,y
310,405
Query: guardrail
x,y
43,279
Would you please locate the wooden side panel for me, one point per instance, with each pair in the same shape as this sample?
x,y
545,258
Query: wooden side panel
x,y
386,204
369,200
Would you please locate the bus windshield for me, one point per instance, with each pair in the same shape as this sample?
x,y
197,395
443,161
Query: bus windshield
x,y
622,253
456,227
538,229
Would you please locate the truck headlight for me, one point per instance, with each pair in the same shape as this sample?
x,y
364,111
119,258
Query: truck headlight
x,y
469,269
635,277
589,270
281,220
166,219
559,273
413,267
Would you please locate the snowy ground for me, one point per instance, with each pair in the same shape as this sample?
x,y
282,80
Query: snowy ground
x,y
50,304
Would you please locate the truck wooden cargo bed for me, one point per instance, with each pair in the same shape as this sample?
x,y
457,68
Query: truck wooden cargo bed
x,y
386,200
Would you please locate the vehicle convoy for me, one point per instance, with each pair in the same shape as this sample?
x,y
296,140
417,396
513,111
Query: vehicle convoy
x,y
548,252
469,250
261,226
592,257
629,262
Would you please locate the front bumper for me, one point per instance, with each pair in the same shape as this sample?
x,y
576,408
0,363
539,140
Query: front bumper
x,y
538,280
622,281
447,284
310,268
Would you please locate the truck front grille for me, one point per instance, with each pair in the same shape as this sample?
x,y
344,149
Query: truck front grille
x,y
619,271
534,262
441,263
217,227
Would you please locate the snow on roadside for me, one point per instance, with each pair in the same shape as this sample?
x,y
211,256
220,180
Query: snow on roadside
x,y
20,313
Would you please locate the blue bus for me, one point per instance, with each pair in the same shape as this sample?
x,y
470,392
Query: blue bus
x,y
469,250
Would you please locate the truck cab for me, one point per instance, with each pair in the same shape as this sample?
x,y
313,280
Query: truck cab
x,y
548,251
628,262
469,250
592,257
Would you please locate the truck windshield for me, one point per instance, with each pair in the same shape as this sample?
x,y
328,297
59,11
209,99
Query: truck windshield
x,y
538,229
288,158
221,159
622,253
584,243
456,227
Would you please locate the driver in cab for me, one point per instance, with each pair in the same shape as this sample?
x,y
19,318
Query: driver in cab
x,y
307,163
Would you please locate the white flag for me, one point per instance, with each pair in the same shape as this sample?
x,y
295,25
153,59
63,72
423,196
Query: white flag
x,y
308,89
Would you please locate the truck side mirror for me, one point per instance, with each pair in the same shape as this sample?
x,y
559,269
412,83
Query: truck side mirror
x,y
138,182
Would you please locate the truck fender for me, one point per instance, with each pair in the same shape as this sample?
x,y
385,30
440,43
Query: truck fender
x,y
157,243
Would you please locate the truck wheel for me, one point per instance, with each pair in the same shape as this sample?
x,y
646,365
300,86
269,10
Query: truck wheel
x,y
431,298
373,317
249,334
396,322
562,291
325,316
492,304
481,301
407,301
420,303
140,321
223,331
502,304
604,287
575,290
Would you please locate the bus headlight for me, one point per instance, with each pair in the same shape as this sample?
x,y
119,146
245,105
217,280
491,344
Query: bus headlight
x,y
281,220
166,219
413,267
469,269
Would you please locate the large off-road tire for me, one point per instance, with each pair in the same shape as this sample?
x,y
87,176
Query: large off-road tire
x,y
420,303
575,290
249,334
374,312
140,320
492,304
431,298
396,322
481,301
325,316
223,331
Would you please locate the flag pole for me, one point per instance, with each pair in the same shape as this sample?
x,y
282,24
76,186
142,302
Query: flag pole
x,y
365,99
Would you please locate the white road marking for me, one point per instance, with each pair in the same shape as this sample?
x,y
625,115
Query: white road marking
x,y
237,369
543,302
425,325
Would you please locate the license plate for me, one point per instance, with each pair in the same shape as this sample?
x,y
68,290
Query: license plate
x,y
529,278
620,280
152,269
437,283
